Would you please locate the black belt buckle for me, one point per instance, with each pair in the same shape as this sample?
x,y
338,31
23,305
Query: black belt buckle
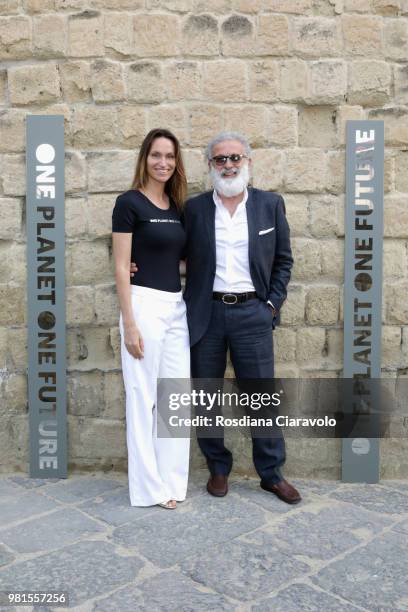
x,y
226,298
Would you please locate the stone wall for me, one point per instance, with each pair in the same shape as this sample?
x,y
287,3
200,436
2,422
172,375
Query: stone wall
x,y
289,73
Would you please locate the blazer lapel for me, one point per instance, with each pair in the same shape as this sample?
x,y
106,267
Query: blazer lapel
x,y
209,214
252,219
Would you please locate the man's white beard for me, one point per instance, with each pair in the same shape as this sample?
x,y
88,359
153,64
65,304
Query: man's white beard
x,y
232,186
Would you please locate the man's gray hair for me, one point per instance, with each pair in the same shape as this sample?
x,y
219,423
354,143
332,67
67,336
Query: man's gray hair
x,y
228,136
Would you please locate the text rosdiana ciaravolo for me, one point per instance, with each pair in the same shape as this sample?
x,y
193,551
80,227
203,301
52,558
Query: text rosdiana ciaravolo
x,y
248,421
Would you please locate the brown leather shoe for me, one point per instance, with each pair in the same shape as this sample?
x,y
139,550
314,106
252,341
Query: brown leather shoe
x,y
284,490
217,485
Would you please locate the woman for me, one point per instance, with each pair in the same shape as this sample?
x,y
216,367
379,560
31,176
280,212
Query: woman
x,y
146,228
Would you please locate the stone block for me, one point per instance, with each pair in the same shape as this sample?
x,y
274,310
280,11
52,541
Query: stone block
x,y
306,255
80,306
401,171
50,36
322,305
296,7
387,8
89,348
85,394
94,126
238,36
362,35
263,78
364,6
332,258
183,81
293,309
13,267
131,124
114,343
391,345
396,216
272,35
12,130
13,174
114,396
3,86
336,166
12,304
15,38
17,346
396,304
177,6
39,6
206,120
15,393
310,345
396,39
294,80
316,37
281,127
328,82
395,124
100,438
110,170
284,343
9,7
34,84
305,170
317,127
88,263
68,5
156,35
212,6
267,169
75,172
395,263
3,349
196,169
118,33
369,82
200,35
10,218
85,34
401,83
324,216
222,77
106,305
335,347
107,84
346,113
173,117
75,81
253,117
297,212
99,214
144,82
132,5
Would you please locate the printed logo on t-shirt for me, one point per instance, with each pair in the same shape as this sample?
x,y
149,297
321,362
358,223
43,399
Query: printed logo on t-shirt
x,y
164,220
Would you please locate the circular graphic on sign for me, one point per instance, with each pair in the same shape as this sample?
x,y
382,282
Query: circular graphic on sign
x,y
45,153
360,446
46,320
363,281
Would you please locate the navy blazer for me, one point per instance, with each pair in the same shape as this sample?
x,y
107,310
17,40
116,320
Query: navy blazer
x,y
270,256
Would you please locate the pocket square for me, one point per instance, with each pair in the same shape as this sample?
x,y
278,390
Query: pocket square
x,y
262,232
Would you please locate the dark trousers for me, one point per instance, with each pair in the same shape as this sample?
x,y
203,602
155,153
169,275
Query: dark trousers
x,y
246,330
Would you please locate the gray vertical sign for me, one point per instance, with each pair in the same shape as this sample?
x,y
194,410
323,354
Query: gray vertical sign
x,y
46,296
362,294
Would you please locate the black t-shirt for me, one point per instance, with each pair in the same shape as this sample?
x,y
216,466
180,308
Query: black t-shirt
x,y
157,242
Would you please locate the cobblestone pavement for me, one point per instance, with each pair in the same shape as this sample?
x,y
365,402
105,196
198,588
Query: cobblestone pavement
x,y
345,547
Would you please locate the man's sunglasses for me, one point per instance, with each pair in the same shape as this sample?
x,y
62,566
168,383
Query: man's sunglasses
x,y
221,160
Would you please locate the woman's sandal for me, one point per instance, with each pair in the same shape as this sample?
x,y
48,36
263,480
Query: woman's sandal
x,y
168,505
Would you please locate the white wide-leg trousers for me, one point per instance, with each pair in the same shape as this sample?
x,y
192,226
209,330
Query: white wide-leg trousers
x,y
157,467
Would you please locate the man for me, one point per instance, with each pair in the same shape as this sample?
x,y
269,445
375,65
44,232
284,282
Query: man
x,y
238,267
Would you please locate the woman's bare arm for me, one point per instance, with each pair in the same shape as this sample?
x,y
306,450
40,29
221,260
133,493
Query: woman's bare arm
x,y
122,245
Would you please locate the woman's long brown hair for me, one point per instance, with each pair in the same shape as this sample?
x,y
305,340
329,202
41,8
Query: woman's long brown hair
x,y
176,186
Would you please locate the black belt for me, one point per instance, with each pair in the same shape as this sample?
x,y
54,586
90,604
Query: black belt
x,y
234,298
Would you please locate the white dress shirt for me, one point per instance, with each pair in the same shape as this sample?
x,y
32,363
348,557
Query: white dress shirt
x,y
232,273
